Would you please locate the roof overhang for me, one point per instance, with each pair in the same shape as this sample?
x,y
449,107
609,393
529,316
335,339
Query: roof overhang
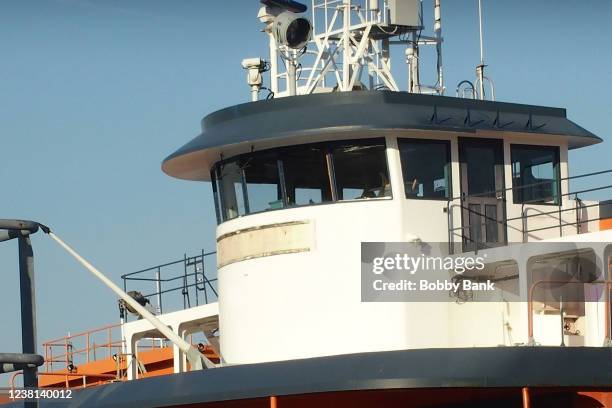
x,y
284,119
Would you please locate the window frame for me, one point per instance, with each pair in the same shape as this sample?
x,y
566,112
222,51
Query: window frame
x,y
331,179
331,147
556,201
447,143
216,194
219,189
326,146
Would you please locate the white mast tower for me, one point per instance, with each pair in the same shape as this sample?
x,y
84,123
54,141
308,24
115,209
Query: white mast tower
x,y
345,45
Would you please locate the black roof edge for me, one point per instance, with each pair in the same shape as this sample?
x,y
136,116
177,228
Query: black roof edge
x,y
251,108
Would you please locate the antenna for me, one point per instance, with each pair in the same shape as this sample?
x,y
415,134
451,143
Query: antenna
x,y
480,68
438,32
480,26
349,45
477,89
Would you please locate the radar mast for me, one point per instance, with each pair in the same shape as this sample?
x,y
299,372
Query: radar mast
x,y
347,45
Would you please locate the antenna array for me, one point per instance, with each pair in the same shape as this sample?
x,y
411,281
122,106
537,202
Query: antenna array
x,y
346,45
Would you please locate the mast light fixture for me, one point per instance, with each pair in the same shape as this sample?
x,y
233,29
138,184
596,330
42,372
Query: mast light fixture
x,y
292,30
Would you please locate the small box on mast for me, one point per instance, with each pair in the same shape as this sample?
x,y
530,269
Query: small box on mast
x,y
405,12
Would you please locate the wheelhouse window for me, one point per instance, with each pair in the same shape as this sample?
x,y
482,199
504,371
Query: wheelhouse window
x,y
306,176
361,170
426,168
300,175
535,174
263,186
231,190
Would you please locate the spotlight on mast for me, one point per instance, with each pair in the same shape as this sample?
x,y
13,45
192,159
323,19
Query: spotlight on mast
x,y
292,30
286,25
289,34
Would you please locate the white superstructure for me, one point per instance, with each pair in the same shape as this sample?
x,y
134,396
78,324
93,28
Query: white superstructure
x,y
301,182
302,298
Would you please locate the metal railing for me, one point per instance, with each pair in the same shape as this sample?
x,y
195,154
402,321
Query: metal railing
x,y
81,348
187,276
524,217
65,356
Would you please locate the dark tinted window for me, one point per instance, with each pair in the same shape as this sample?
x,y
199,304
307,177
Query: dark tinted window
x,y
231,190
300,175
306,176
535,174
426,168
361,170
481,160
264,191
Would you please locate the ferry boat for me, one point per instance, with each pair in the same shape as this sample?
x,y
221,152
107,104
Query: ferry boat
x,y
330,166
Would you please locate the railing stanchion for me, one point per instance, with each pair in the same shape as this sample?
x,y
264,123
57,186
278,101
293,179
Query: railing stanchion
x,y
159,291
526,397
110,343
67,363
607,340
560,219
578,207
524,224
87,348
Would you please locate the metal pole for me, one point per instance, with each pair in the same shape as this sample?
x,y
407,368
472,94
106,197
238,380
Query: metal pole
x,y
480,28
16,361
526,397
480,68
193,355
414,85
273,64
28,306
438,32
480,76
291,76
159,296
254,93
346,45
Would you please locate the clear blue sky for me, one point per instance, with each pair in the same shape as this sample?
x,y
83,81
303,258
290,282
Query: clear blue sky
x,y
95,93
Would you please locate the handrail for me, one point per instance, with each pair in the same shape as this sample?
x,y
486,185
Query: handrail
x,y
153,268
501,190
94,375
527,216
451,204
531,340
193,280
71,336
182,287
70,351
525,231
83,375
69,354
